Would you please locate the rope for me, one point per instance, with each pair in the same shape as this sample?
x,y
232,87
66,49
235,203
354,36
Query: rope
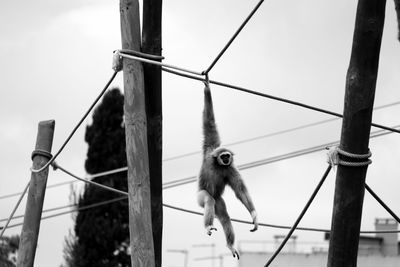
x,y
15,208
382,203
300,216
41,152
234,37
273,97
157,63
140,54
56,166
77,126
333,158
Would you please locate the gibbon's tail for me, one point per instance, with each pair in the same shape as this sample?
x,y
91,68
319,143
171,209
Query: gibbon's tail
x,y
211,136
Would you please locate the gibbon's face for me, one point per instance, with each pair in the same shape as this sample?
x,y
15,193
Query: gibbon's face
x,y
225,158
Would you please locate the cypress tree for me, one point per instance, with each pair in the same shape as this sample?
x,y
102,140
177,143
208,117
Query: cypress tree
x,y
101,234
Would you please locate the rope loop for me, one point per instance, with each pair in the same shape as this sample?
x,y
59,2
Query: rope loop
x,y
139,54
334,159
41,152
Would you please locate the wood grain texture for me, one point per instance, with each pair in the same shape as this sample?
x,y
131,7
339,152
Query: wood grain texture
x,y
141,238
36,193
359,100
151,44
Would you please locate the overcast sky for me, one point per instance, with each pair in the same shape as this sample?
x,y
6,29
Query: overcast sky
x,y
55,57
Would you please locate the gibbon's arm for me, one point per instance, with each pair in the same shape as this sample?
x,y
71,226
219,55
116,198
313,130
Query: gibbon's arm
x,y
243,195
397,6
211,136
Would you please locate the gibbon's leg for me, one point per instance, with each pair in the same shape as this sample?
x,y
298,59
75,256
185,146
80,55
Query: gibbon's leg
x,y
243,195
225,220
206,201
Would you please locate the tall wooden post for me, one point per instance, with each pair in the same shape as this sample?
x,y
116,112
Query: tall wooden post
x,y
151,44
359,99
37,188
141,238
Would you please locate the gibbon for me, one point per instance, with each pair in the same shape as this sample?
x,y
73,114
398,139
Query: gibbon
x,y
218,170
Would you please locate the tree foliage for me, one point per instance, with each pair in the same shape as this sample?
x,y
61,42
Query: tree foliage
x,y
101,235
8,250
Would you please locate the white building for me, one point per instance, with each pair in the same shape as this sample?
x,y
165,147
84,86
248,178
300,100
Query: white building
x,y
381,250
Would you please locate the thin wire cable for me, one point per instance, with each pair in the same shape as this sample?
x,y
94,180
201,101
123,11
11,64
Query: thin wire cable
x,y
234,36
14,210
77,126
303,212
44,211
94,205
192,179
304,126
295,103
158,63
386,207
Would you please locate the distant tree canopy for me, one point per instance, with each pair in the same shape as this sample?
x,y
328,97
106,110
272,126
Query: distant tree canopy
x,y
8,250
101,234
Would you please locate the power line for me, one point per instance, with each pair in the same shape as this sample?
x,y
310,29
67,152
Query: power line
x,y
304,126
266,161
276,226
95,205
288,101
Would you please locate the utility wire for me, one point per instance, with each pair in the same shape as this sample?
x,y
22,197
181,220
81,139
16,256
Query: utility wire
x,y
44,211
77,126
304,126
266,161
272,97
233,37
95,205
276,226
303,212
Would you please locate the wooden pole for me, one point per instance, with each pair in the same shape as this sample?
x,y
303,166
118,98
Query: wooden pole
x,y
151,44
141,238
359,99
37,188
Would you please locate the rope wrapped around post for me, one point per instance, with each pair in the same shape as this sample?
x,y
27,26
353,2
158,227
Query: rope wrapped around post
x,y
334,159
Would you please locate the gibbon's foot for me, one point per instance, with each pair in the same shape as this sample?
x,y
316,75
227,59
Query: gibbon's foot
x,y
235,254
209,229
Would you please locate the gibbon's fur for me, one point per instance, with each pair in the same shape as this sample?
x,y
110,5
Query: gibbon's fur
x,y
218,170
